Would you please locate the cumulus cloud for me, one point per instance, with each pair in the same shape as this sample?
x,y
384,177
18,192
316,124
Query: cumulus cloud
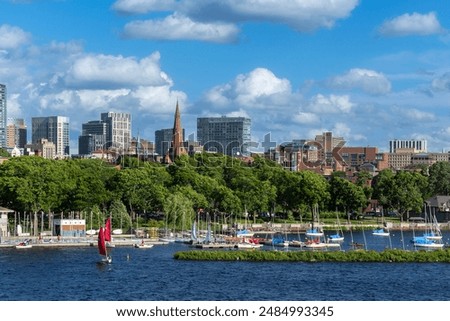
x,y
369,81
12,37
105,71
179,27
330,105
414,24
203,20
306,118
258,89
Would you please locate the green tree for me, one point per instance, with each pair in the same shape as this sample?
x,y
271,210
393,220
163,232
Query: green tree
x,y
345,195
179,210
119,215
313,190
439,178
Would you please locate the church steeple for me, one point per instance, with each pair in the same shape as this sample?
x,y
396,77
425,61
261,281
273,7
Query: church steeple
x,y
177,138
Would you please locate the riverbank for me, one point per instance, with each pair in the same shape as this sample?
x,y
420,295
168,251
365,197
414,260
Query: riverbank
x,y
124,240
386,256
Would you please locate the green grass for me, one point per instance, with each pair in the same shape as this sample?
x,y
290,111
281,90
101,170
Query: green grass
x,y
401,256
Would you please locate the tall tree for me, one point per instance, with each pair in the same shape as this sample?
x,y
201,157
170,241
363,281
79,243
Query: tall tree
x,y
439,178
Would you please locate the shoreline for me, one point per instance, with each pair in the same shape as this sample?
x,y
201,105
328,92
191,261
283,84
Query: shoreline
x,y
51,242
354,256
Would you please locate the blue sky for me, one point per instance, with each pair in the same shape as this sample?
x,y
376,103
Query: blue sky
x,y
369,71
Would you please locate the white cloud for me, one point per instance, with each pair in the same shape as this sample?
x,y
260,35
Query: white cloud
x,y
369,81
305,118
442,83
105,71
258,89
143,6
158,99
207,20
238,113
12,37
341,129
412,24
302,15
330,105
179,27
417,115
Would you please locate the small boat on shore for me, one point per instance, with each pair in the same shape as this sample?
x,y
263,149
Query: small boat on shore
x,y
24,245
143,245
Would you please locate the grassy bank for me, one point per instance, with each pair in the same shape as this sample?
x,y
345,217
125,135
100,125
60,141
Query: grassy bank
x,y
442,256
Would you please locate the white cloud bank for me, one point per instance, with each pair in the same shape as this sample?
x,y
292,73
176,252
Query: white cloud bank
x,y
215,20
12,37
178,27
369,81
414,24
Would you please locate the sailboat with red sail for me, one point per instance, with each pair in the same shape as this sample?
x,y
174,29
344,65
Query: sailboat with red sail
x,y
104,234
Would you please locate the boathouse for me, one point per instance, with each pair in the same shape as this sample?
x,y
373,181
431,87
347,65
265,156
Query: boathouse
x,y
69,228
4,221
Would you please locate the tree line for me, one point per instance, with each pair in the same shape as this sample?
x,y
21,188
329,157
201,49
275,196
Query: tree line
x,y
215,184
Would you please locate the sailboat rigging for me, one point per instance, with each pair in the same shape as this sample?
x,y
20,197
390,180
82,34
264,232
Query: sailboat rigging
x,y
104,234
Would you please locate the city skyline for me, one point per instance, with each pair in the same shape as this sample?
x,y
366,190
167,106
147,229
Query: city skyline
x,y
370,72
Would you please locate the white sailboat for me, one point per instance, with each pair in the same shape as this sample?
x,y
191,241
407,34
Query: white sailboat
x,y
339,236
381,231
315,235
431,238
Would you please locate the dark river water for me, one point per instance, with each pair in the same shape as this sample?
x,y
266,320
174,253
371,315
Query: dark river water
x,y
66,274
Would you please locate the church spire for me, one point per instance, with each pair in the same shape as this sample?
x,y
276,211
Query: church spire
x,y
177,138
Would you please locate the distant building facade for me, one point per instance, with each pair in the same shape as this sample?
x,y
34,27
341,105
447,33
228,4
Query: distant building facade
x,y
416,146
3,118
42,148
16,134
163,139
69,228
118,135
227,135
55,129
93,137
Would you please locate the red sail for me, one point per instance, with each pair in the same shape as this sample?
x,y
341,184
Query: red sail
x,y
108,229
101,241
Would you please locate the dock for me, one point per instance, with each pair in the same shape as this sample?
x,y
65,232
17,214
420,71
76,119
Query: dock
x,y
214,245
53,242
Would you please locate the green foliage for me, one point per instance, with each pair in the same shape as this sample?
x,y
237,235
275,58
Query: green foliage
x,y
439,178
387,256
119,215
213,182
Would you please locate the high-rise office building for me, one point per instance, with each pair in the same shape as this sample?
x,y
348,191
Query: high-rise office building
x,y
226,135
55,129
16,133
93,137
118,133
415,145
163,139
2,116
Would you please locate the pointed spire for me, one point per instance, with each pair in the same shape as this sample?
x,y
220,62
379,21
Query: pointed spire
x,y
177,139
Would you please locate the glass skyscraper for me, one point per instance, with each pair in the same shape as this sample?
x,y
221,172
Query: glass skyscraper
x,y
227,135
55,129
